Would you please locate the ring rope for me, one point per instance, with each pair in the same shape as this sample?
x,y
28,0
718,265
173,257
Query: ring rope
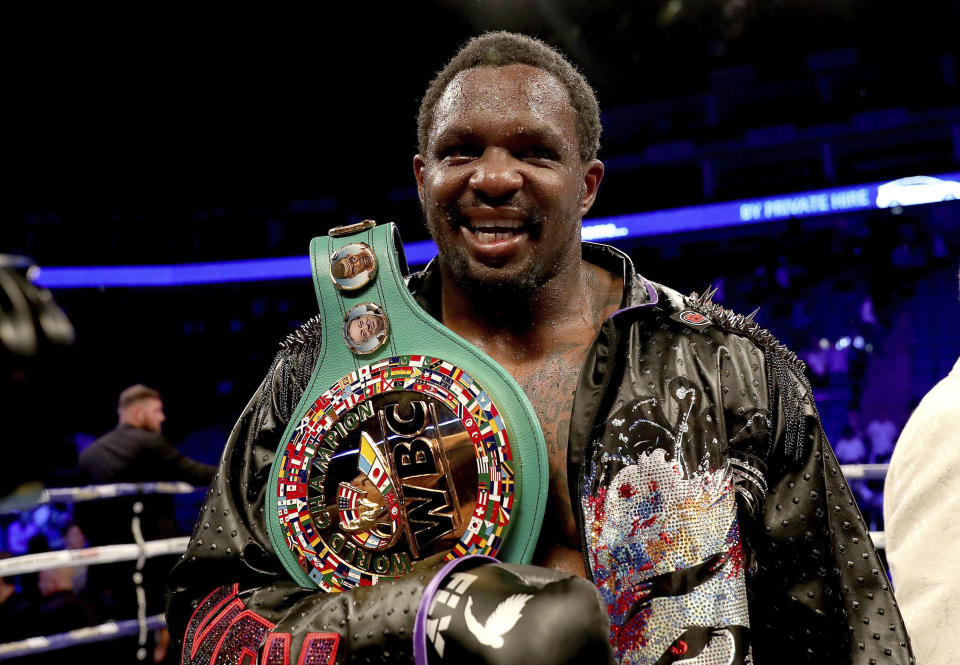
x,y
864,471
95,493
107,631
31,563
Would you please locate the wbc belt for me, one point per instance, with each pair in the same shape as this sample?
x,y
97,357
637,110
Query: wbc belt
x,y
408,442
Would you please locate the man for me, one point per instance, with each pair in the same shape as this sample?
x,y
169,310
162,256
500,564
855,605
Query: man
x,y
352,265
364,328
134,451
689,477
920,509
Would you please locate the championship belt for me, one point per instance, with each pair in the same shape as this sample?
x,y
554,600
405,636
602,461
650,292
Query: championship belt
x,y
408,442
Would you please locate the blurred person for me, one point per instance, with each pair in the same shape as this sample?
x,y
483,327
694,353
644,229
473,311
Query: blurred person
x,y
74,539
13,604
850,448
882,434
921,509
20,531
62,609
58,608
134,451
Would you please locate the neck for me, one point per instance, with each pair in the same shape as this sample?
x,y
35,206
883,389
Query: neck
x,y
522,326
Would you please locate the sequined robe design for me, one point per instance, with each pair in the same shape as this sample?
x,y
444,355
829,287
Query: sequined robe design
x,y
714,518
664,540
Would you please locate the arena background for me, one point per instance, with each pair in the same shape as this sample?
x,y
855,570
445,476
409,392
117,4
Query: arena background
x,y
178,138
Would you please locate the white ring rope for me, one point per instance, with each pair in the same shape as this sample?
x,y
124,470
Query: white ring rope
x,y
95,492
107,631
864,471
31,563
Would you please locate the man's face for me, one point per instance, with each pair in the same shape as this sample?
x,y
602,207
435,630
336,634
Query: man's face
x,y
502,186
354,264
364,327
151,414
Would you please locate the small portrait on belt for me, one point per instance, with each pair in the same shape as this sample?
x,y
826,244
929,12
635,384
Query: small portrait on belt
x,y
365,328
353,266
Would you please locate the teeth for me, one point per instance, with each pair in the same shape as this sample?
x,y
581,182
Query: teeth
x,y
503,223
498,224
486,236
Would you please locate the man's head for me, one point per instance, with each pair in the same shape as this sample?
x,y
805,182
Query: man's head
x,y
141,407
366,326
508,134
499,49
351,265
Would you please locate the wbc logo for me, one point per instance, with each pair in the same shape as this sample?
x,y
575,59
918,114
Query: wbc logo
x,y
402,459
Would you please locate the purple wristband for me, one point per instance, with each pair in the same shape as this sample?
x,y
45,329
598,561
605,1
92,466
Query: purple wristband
x,y
420,623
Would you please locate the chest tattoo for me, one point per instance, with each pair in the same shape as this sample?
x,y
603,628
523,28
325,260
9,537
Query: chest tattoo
x,y
551,387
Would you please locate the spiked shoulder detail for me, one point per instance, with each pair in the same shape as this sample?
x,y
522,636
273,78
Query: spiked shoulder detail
x,y
744,325
309,331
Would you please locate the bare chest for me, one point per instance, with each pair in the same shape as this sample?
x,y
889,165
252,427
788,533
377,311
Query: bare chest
x,y
550,384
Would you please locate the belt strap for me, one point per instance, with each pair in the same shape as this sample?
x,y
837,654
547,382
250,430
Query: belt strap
x,y
513,480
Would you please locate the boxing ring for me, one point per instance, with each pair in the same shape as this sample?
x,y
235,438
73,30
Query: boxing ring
x,y
141,550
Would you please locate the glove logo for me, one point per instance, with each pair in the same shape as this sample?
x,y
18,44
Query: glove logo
x,y
500,622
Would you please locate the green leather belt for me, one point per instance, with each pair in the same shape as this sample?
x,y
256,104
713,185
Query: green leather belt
x,y
409,442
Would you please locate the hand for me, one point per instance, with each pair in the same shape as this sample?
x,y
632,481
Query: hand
x,y
161,643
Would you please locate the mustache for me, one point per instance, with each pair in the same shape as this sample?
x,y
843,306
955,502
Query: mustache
x,y
533,222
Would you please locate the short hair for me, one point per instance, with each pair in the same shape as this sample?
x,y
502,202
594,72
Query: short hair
x,y
499,49
339,268
135,393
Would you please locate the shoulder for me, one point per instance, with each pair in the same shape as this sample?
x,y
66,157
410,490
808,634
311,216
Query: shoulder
x,y
122,436
933,428
287,377
700,312
308,333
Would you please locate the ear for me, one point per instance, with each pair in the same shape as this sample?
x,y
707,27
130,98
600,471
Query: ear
x,y
419,166
592,175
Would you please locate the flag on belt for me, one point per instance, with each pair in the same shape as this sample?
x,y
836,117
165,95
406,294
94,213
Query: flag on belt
x,y
372,464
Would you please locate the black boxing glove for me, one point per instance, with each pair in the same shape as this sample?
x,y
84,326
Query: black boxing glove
x,y
500,614
468,610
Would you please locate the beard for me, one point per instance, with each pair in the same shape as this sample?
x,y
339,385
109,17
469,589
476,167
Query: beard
x,y
502,285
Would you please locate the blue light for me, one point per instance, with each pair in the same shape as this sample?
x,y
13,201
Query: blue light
x,y
187,274
636,225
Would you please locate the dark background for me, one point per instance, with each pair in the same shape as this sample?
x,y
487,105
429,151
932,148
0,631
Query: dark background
x,y
180,137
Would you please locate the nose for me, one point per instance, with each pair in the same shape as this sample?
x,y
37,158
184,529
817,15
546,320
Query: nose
x,y
497,174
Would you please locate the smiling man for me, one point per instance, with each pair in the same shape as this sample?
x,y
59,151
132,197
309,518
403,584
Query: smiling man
x,y
690,481
504,183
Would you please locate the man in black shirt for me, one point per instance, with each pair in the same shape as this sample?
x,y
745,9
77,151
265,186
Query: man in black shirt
x,y
134,451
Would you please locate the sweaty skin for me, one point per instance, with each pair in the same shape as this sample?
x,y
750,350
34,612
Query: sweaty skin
x,y
503,191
